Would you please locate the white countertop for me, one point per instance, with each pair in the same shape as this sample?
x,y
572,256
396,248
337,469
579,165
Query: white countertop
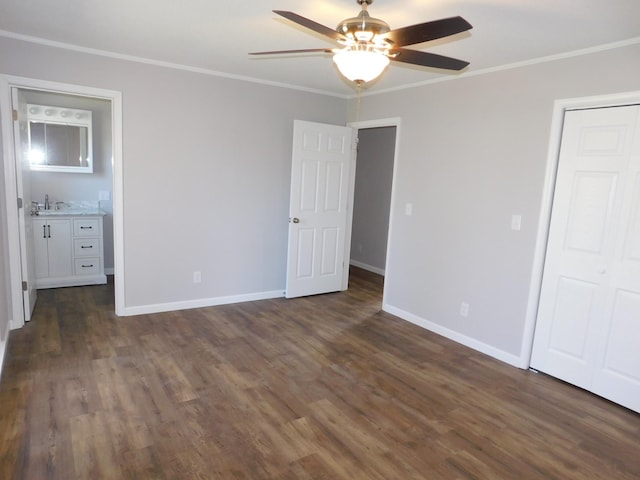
x,y
71,212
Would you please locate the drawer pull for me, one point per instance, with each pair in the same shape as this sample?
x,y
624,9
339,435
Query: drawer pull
x,y
87,266
82,227
86,246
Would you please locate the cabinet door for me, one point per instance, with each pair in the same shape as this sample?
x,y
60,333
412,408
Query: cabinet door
x,y
60,247
40,248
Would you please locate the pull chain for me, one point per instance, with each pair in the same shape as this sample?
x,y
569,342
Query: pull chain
x,y
358,100
357,119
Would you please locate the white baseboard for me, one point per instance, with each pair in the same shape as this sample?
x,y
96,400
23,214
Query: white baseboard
x,y
496,353
364,266
71,281
202,302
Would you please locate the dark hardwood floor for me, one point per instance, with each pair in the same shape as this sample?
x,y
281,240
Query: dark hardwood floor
x,y
325,387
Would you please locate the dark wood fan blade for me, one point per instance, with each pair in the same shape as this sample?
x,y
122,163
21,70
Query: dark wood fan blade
x,y
310,24
304,50
426,59
423,32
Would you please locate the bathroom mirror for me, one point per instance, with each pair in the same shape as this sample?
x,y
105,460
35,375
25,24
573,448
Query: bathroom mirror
x,y
60,139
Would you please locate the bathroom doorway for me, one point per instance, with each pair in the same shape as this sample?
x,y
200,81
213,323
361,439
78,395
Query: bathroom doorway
x,y
102,188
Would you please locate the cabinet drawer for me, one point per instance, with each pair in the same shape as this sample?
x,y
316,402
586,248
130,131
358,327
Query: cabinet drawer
x,y
87,266
86,247
89,227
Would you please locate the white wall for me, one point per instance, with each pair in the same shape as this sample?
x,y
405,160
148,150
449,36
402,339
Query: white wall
x,y
206,171
473,152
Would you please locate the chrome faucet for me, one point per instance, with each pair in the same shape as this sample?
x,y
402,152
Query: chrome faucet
x,y
46,202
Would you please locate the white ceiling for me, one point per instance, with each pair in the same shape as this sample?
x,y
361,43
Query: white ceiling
x,y
217,35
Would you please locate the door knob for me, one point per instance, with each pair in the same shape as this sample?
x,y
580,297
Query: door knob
x,y
295,220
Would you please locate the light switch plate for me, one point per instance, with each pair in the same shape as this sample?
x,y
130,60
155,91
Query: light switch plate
x,y
408,209
104,195
516,222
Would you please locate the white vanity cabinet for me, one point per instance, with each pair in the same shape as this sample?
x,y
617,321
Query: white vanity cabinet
x,y
52,241
68,250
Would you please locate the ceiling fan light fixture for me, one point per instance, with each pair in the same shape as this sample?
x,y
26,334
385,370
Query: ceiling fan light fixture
x,y
360,64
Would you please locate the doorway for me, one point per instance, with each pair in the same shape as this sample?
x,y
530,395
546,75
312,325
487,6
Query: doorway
x,y
111,103
94,189
317,262
373,197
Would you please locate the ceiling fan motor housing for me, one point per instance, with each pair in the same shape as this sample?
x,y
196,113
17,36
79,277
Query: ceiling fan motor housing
x,y
364,28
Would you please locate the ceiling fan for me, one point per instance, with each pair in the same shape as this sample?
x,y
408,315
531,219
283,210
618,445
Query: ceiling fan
x,y
367,43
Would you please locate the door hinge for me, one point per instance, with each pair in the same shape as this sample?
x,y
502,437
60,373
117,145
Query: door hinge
x,y
19,203
15,115
25,287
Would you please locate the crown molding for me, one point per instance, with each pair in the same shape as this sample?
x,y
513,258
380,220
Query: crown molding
x,y
160,63
205,71
510,66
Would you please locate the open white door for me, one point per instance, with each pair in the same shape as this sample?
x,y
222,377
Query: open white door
x,y
589,313
23,185
321,182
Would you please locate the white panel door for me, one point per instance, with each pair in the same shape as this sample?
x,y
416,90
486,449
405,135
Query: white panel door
x,y
320,184
23,185
589,313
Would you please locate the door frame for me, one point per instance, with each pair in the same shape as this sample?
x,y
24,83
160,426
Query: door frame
x,y
383,122
7,82
546,206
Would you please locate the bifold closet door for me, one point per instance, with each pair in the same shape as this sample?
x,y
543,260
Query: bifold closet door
x,y
588,323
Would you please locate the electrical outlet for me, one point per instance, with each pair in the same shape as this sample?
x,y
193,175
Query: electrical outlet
x,y
464,309
197,277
